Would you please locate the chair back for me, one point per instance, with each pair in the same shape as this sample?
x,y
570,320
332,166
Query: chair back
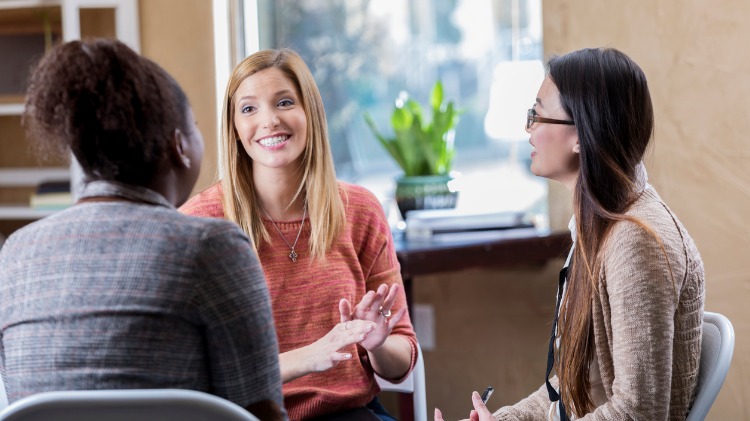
x,y
716,354
413,384
122,405
3,394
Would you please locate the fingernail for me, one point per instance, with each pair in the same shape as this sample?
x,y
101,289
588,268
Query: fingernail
x,y
361,337
347,356
475,396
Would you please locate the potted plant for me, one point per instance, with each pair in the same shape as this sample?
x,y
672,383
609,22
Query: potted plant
x,y
423,148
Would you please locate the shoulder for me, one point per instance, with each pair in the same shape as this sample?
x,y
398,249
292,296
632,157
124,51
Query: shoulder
x,y
655,215
639,246
207,203
359,200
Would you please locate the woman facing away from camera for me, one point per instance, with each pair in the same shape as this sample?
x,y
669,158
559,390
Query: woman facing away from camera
x,y
324,245
121,291
626,340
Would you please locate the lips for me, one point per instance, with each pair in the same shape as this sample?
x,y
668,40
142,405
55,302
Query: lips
x,y
273,140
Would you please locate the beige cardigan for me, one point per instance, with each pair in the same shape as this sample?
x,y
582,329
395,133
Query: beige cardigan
x,y
647,331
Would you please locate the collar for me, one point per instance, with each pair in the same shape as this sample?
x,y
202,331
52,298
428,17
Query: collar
x,y
104,188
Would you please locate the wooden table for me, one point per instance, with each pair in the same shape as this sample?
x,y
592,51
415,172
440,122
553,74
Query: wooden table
x,y
458,251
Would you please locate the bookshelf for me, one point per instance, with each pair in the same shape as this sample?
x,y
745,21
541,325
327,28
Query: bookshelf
x,y
27,29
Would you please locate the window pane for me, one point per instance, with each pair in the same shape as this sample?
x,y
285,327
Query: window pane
x,y
364,53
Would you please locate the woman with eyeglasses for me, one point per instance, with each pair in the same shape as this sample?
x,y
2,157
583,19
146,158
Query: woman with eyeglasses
x,y
626,335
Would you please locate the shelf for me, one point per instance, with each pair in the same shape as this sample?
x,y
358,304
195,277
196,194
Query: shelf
x,y
20,4
24,177
23,212
11,109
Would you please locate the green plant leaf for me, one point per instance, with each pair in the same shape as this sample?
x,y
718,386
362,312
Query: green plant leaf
x,y
421,147
390,144
436,96
401,119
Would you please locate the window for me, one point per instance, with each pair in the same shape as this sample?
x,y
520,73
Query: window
x,y
364,53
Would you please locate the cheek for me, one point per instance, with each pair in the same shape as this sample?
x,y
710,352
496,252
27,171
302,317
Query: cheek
x,y
244,128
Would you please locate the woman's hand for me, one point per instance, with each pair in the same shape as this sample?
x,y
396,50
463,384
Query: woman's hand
x,y
324,353
375,307
479,413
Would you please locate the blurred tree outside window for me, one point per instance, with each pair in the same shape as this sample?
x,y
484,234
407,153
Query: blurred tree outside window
x,y
363,53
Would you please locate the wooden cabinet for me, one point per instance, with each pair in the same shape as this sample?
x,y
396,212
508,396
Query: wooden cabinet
x,y
27,29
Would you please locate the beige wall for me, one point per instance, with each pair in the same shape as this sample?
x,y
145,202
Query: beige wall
x,y
695,58
492,325
178,34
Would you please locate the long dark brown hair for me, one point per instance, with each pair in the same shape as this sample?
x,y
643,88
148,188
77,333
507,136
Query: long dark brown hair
x,y
606,94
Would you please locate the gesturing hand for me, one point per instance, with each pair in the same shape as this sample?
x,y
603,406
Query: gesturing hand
x,y
324,354
375,307
479,413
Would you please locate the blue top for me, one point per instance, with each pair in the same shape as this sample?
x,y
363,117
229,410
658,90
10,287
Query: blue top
x,y
132,294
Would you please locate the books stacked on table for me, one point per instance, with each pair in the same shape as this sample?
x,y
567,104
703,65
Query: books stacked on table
x,y
426,224
52,195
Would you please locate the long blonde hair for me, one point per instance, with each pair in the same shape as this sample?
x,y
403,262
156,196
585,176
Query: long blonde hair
x,y
318,186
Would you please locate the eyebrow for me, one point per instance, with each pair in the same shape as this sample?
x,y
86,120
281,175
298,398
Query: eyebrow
x,y
279,93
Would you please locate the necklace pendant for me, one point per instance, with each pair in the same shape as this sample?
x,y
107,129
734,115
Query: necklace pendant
x,y
293,255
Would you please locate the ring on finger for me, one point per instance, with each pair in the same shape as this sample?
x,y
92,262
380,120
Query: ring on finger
x,y
386,313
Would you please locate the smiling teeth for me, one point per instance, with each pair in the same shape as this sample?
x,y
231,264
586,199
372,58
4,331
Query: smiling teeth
x,y
272,141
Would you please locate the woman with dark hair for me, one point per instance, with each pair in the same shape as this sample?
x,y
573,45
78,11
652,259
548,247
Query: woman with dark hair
x,y
626,340
121,291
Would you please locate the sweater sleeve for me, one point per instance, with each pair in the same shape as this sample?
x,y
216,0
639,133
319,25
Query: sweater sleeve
x,y
641,294
535,407
236,308
379,261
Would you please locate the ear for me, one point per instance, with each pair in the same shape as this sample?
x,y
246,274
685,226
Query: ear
x,y
179,149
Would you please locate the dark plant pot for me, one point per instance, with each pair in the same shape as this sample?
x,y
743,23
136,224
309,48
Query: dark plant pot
x,y
424,192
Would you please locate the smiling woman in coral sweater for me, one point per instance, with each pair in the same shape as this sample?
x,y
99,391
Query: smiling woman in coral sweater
x,y
324,245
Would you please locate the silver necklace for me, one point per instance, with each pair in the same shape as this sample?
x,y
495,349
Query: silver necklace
x,y
293,255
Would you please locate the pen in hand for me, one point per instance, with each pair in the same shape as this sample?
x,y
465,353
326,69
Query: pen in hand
x,y
486,394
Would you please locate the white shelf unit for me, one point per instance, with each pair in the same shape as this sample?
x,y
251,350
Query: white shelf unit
x,y
23,212
125,13
11,109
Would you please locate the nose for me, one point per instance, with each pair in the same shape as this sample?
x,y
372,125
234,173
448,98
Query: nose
x,y
271,119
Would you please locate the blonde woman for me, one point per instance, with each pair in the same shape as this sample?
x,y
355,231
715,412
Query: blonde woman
x,y
324,245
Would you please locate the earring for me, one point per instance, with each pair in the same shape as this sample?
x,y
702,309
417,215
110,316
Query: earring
x,y
576,149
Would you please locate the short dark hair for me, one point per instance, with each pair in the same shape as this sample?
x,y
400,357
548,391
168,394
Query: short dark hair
x,y
113,108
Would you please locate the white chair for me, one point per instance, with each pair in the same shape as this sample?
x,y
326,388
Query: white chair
x,y
3,394
716,354
125,405
413,384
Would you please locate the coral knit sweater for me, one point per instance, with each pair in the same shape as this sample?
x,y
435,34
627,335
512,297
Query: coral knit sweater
x,y
305,295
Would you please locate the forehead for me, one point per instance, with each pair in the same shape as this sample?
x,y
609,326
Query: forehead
x,y
267,81
548,96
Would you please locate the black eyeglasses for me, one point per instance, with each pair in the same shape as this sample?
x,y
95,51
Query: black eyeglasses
x,y
532,117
